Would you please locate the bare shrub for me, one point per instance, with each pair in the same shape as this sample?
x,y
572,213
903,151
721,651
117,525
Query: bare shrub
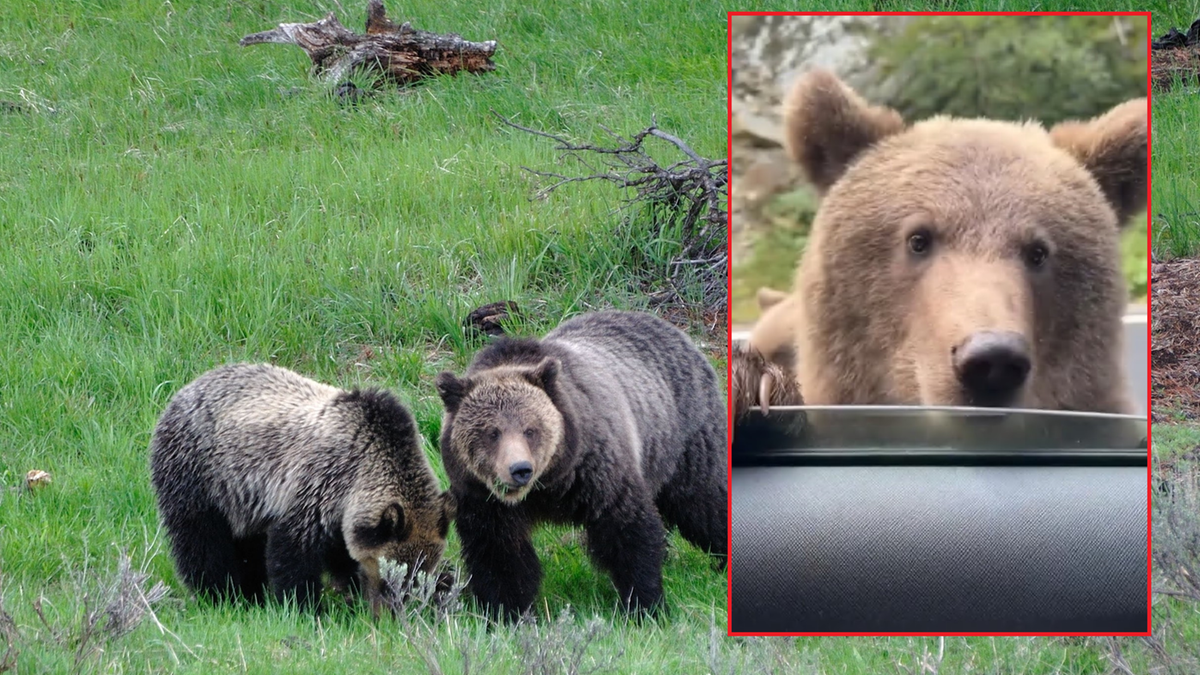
x,y
561,646
1175,524
765,655
412,593
683,203
105,608
1175,520
8,630
422,603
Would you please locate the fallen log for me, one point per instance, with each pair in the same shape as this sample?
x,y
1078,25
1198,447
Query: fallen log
x,y
400,54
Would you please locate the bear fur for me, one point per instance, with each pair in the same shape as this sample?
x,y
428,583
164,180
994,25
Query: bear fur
x,y
758,381
774,333
962,261
265,478
614,421
763,370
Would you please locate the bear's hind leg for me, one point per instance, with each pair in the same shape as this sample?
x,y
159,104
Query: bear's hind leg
x,y
696,499
294,565
205,555
251,576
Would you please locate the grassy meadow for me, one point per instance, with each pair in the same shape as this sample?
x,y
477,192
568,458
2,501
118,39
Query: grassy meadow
x,y
1175,192
170,201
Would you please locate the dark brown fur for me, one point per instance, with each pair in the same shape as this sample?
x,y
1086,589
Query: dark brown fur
x,y
617,424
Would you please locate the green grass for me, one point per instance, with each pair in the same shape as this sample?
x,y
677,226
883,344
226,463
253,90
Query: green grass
x,y
174,201
1176,527
1175,438
1175,190
774,253
1175,194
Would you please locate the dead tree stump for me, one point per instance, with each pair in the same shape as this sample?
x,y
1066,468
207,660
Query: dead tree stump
x,y
397,53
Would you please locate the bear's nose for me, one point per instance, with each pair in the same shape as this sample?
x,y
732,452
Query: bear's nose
x,y
992,366
521,472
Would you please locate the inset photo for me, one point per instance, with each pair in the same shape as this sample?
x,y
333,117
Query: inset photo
x,y
939,366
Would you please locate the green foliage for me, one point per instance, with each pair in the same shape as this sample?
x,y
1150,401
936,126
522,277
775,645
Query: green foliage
x,y
774,252
1012,67
1134,258
170,201
1175,191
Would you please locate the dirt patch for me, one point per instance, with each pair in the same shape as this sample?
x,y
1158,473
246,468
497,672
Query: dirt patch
x,y
1175,340
1175,56
1167,66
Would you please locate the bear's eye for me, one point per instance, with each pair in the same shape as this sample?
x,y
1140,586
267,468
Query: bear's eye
x,y
920,242
531,434
493,435
1036,254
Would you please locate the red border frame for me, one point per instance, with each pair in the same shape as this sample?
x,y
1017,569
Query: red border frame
x,y
729,321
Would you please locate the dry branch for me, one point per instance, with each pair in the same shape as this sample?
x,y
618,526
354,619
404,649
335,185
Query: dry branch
x,y
397,53
8,629
685,199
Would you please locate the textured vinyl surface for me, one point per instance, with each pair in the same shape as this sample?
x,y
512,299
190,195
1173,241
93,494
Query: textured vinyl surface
x,y
939,549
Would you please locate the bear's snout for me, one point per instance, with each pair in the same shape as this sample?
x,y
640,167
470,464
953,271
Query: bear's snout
x,y
520,472
992,367
512,471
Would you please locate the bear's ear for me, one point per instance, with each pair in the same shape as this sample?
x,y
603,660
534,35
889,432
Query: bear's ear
x,y
827,125
545,374
1113,148
769,297
452,390
389,527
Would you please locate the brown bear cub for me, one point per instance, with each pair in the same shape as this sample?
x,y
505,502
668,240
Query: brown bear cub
x,y
962,261
613,421
265,478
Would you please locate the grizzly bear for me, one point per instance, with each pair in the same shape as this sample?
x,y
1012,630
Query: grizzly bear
x,y
613,421
265,478
962,261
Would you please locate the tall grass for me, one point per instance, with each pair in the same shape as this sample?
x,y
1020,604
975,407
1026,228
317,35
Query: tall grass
x,y
1175,194
170,201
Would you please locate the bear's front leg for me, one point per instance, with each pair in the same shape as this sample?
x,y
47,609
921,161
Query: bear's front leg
x,y
505,573
627,539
